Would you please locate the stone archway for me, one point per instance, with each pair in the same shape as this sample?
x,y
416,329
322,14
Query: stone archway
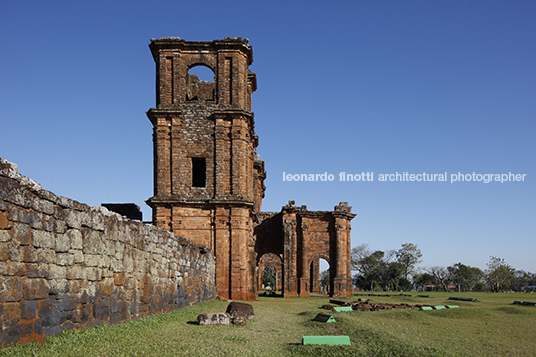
x,y
270,259
314,274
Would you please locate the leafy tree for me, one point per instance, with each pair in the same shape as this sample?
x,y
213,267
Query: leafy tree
x,y
324,281
358,254
384,270
269,276
423,279
393,279
370,269
498,274
441,276
520,279
465,277
409,256
479,287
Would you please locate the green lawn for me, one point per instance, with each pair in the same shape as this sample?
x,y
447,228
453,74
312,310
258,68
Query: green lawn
x,y
492,326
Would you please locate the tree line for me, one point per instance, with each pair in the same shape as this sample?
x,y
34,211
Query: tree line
x,y
395,270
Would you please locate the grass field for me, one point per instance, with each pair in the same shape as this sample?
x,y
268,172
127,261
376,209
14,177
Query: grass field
x,y
491,326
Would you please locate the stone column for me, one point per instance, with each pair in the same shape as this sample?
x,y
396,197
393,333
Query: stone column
x,y
305,269
290,283
222,157
222,251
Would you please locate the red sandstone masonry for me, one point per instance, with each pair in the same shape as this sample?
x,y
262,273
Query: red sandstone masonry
x,y
212,122
65,265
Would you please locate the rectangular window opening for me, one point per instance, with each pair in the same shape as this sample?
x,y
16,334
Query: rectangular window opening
x,y
199,172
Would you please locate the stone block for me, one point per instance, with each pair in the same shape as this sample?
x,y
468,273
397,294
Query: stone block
x,y
59,213
48,223
106,273
43,308
35,270
46,256
92,260
64,259
56,272
10,335
93,242
42,239
36,220
16,252
22,233
28,309
110,248
78,256
119,250
76,272
12,268
60,226
24,216
119,278
26,329
67,303
76,238
5,223
59,286
63,243
213,319
93,274
29,254
4,251
52,330
5,236
75,286
240,311
11,314
10,288
96,221
47,207
35,288
73,219
130,283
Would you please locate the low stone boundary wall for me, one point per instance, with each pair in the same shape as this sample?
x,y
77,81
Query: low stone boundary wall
x,y
66,265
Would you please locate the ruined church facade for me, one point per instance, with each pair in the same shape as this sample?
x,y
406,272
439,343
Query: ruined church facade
x,y
209,181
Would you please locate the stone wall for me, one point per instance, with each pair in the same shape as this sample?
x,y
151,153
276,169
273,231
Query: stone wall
x,y
66,265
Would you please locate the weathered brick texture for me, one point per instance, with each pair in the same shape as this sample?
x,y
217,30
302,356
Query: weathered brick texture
x,y
208,122
211,122
296,238
66,265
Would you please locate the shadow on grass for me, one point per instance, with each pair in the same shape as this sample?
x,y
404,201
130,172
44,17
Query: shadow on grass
x,y
271,295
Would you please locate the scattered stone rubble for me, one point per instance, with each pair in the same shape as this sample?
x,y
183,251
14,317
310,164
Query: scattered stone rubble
x,y
237,313
240,312
366,305
213,319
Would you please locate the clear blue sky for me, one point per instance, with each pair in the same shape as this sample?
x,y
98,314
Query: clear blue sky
x,y
354,86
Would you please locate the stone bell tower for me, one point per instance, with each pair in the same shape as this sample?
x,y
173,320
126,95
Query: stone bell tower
x,y
207,180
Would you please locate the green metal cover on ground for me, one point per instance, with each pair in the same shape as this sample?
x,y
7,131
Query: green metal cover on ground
x,y
440,307
324,318
326,340
453,306
427,308
343,308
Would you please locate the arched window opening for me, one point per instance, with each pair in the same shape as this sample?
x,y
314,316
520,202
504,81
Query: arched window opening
x,y
269,278
200,84
270,275
321,280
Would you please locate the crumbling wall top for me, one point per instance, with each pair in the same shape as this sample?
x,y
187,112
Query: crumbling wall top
x,y
176,43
